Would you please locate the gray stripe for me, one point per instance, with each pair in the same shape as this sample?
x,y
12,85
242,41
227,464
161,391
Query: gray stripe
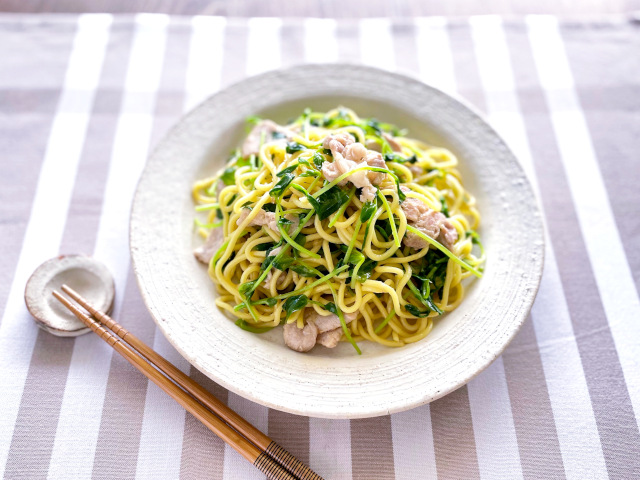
x,y
16,102
368,462
86,202
25,123
528,394
608,84
453,438
120,429
531,407
30,449
465,64
202,451
50,361
121,425
291,432
617,426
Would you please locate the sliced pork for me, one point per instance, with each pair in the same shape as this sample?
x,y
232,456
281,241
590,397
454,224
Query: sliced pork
x,y
266,128
375,146
428,221
349,155
337,143
270,274
330,339
395,146
262,218
205,252
300,339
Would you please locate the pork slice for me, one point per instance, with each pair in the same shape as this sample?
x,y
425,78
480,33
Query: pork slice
x,y
416,170
350,157
337,143
251,145
350,317
205,252
375,146
448,234
413,208
325,323
262,218
374,159
430,222
395,146
368,193
300,339
270,275
330,339
281,278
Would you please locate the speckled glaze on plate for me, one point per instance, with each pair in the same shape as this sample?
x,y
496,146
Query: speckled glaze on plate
x,y
335,383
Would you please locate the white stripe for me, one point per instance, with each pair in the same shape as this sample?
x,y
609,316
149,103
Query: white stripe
x,y
376,43
263,53
568,392
493,428
162,432
49,211
81,411
330,448
413,451
205,59
329,440
320,41
161,439
235,465
581,453
602,239
434,53
263,45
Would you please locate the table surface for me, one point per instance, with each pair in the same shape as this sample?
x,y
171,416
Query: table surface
x,y
326,8
83,99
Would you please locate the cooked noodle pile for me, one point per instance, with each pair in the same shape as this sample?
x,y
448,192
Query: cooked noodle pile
x,y
338,228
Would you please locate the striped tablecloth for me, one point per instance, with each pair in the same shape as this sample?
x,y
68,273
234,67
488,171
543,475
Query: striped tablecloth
x,y
84,98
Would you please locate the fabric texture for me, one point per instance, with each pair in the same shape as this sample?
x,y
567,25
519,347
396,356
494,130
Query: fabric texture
x,y
83,99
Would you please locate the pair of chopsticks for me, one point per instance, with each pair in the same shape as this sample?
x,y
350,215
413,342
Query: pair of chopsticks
x,y
265,454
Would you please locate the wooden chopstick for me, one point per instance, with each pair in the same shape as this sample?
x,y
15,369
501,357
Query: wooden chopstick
x,y
258,457
262,441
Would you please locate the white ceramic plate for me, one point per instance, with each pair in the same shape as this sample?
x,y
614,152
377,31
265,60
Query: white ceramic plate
x,y
335,383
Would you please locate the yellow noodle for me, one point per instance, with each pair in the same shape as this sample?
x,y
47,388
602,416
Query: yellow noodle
x,y
384,292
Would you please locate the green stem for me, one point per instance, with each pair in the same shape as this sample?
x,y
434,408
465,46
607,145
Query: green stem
x,y
341,210
284,250
207,206
321,280
345,330
386,206
353,240
355,273
286,236
249,328
386,320
444,250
